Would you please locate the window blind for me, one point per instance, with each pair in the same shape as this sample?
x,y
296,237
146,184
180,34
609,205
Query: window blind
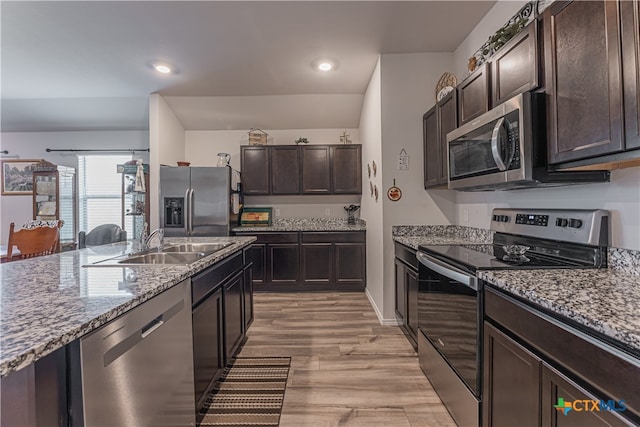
x,y
100,191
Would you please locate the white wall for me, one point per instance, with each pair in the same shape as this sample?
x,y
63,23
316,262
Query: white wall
x,y
621,196
32,145
167,144
408,84
370,210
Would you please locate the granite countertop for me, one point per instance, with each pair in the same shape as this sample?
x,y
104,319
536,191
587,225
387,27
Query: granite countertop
x,y
47,302
306,224
415,235
600,299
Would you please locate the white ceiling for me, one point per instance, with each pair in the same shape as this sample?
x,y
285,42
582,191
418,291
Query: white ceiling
x,y
85,65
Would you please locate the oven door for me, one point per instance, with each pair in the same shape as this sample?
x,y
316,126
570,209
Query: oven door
x,y
450,316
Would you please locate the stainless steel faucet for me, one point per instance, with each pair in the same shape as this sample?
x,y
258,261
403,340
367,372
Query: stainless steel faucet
x,y
157,232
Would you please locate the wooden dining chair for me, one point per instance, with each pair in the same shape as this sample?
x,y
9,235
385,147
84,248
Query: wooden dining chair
x,y
33,242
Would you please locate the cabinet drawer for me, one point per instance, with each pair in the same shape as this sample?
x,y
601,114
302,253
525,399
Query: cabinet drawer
x,y
288,237
205,282
406,255
334,237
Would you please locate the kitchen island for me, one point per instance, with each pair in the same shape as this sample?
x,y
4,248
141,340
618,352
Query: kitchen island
x,y
48,303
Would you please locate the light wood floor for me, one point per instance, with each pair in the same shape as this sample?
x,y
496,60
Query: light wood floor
x,y
346,369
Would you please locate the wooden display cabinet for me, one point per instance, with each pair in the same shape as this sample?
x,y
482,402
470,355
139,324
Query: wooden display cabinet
x,y
54,197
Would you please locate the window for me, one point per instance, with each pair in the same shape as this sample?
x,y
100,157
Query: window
x,y
100,191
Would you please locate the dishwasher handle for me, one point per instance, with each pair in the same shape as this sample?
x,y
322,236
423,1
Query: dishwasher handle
x,y
448,270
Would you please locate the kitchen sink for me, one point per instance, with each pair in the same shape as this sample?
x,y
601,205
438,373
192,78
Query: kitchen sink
x,y
164,258
207,248
178,254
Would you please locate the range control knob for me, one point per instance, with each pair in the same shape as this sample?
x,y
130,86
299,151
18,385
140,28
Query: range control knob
x,y
562,222
575,223
504,218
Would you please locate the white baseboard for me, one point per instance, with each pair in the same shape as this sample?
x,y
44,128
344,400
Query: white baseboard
x,y
381,319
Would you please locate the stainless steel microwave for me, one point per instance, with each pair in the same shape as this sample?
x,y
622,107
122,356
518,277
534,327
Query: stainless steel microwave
x,y
506,148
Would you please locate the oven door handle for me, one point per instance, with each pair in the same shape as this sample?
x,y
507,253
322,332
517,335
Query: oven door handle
x,y
447,270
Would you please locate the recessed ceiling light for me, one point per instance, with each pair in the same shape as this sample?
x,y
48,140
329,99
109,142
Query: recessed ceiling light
x,y
162,68
324,64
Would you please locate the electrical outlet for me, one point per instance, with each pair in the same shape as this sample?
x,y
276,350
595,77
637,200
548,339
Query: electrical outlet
x,y
277,212
465,215
327,212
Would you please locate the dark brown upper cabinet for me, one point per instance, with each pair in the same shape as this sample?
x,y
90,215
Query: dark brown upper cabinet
x,y
473,95
515,68
437,122
285,170
316,169
630,26
583,80
309,169
346,173
432,153
254,163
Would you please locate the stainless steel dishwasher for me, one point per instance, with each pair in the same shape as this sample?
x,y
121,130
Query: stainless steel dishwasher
x,y
137,370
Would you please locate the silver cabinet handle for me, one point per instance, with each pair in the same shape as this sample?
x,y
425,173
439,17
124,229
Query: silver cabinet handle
x,y
448,271
495,150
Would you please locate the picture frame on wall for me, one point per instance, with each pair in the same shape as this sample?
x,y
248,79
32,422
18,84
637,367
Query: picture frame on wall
x,y
17,177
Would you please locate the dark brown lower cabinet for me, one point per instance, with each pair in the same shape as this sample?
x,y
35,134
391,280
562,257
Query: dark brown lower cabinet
x,y
511,392
248,296
233,294
533,363
406,274
556,386
208,355
308,261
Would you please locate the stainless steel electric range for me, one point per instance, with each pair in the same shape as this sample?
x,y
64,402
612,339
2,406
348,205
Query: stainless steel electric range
x,y
450,296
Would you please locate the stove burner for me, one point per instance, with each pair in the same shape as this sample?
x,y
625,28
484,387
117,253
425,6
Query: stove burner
x,y
516,259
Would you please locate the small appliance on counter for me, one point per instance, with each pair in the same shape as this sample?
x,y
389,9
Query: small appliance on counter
x,y
351,211
256,217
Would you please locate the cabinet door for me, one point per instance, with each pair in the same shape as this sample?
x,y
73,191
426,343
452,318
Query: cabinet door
x,y
557,388
285,170
350,264
208,348
411,280
346,169
401,292
511,381
283,263
257,255
448,121
316,170
630,22
583,79
317,263
247,309
254,165
233,299
432,149
473,95
515,67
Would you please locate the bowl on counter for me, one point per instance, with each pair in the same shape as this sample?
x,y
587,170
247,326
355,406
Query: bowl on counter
x,y
184,163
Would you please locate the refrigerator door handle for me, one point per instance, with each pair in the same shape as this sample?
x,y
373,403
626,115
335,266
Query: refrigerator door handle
x,y
187,212
191,211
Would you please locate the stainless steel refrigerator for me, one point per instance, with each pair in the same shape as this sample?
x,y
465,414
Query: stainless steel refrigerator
x,y
195,201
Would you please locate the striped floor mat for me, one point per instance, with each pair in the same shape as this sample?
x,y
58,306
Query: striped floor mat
x,y
249,393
